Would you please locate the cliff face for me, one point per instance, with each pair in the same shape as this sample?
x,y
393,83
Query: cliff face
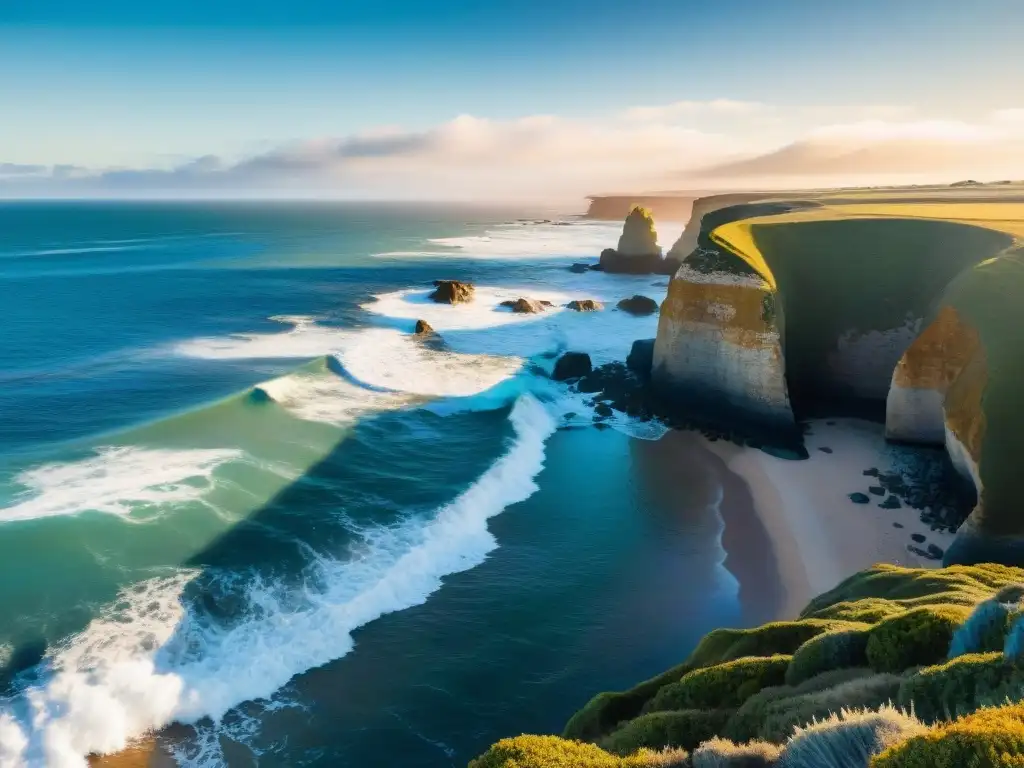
x,y
915,406
718,351
664,207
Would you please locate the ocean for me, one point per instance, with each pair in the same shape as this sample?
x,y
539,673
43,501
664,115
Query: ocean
x,y
243,507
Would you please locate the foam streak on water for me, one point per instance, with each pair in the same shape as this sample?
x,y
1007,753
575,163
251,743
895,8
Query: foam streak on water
x,y
148,661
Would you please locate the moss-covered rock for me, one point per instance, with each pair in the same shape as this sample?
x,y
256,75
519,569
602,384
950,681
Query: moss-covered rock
x,y
919,637
962,686
869,610
723,685
990,738
683,729
837,649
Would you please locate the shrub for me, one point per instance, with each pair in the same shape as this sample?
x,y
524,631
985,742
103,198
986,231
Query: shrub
x,y
659,730
1014,645
722,753
666,758
985,629
724,685
785,716
913,587
748,722
961,686
990,738
870,610
544,752
918,637
838,649
849,739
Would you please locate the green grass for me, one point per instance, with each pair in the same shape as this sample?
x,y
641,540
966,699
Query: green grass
x,y
722,686
919,637
683,729
962,686
836,649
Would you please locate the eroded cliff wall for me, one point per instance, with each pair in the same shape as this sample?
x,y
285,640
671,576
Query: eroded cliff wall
x,y
718,352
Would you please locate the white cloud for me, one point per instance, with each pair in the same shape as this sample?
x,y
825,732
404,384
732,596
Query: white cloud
x,y
555,158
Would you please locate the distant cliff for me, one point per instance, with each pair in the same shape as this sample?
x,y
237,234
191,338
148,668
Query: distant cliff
x,y
673,207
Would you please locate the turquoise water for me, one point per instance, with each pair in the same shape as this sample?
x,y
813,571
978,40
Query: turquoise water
x,y
238,496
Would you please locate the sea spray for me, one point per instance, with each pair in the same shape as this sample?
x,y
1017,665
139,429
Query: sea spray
x,y
154,656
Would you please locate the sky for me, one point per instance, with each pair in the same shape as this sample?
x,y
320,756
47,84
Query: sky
x,y
521,99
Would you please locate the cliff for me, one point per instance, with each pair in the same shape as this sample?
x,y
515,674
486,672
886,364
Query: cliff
x,y
718,353
673,206
896,311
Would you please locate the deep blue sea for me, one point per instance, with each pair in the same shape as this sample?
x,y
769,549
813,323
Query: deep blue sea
x,y
243,507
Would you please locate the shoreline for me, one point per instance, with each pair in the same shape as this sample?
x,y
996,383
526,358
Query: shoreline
x,y
815,534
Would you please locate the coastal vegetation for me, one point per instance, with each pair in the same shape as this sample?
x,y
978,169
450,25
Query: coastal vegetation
x,y
822,690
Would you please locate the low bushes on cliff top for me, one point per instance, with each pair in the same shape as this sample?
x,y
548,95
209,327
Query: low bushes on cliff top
x,y
722,753
773,715
837,649
911,587
606,710
848,739
985,629
555,752
868,610
990,738
722,686
684,729
919,637
962,686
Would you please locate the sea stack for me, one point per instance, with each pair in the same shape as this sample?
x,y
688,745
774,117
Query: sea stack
x,y
638,251
452,292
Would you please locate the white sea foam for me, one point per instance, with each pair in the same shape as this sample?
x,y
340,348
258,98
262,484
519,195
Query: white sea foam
x,y
128,481
484,311
146,661
305,340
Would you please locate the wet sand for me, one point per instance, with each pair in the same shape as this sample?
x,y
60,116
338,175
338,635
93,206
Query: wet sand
x,y
816,536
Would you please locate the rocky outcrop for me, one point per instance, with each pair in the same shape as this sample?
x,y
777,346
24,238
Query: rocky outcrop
x,y
665,207
452,292
526,306
422,327
584,305
641,357
638,305
579,268
718,353
638,251
572,365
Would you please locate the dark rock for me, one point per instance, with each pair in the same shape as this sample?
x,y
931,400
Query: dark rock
x,y
422,326
546,303
572,365
603,410
830,423
638,305
569,415
935,551
877,490
897,525
524,306
918,537
859,498
584,305
873,472
921,552
452,292
891,503
641,357
601,425
579,268
825,449
596,268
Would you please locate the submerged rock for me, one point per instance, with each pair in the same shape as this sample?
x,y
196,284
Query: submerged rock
x,y
891,503
859,498
638,305
572,365
579,268
526,306
422,326
584,305
452,292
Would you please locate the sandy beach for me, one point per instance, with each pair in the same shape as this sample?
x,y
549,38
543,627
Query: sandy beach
x,y
814,535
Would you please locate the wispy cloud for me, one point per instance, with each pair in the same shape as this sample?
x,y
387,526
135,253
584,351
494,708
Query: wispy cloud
x,y
550,157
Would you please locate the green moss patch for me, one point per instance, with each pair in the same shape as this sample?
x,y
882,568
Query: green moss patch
x,y
837,649
723,685
916,638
